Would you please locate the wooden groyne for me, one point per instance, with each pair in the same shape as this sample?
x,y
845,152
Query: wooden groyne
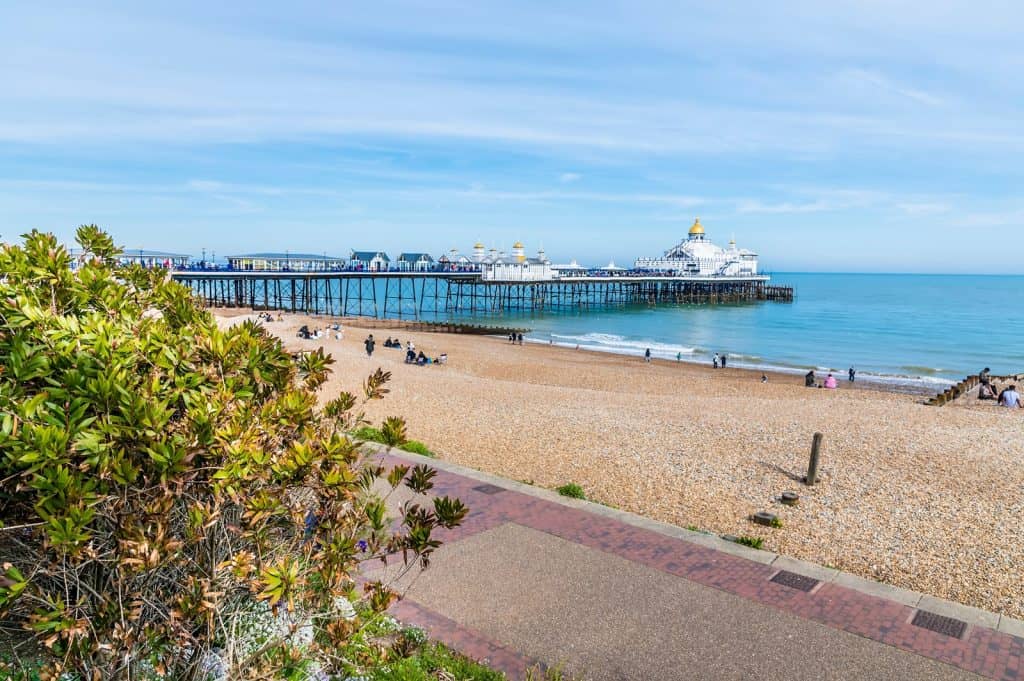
x,y
436,327
966,387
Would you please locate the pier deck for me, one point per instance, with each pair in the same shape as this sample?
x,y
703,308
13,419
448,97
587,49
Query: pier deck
x,y
420,295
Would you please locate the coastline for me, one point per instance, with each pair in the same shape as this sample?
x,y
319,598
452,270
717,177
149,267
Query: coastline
x,y
906,385
916,496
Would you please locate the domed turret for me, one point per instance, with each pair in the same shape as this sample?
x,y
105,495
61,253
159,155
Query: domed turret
x,y
518,252
479,251
697,231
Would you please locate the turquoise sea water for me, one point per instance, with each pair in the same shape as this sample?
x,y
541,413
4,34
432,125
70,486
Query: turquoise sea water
x,y
926,329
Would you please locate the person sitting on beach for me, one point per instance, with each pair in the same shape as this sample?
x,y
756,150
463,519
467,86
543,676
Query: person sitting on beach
x,y
1010,398
830,382
421,359
764,378
387,342
443,359
410,356
810,379
985,376
986,392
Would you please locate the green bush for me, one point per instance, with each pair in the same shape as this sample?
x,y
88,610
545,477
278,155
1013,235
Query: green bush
x,y
162,479
752,542
571,490
417,447
369,434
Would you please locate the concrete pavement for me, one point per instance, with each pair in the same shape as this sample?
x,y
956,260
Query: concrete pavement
x,y
532,577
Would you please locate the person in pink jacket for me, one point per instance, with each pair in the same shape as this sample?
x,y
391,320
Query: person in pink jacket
x,y
830,382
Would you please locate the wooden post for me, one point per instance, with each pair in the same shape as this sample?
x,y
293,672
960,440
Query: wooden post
x,y
812,467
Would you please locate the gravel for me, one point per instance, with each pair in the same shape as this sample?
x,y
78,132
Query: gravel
x,y
920,497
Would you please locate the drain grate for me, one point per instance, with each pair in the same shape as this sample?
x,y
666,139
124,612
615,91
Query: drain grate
x,y
488,489
794,581
939,623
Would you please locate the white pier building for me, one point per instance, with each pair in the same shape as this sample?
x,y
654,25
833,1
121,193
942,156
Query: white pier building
x,y
698,257
497,266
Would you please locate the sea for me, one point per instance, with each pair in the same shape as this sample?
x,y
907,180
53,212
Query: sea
x,y
919,331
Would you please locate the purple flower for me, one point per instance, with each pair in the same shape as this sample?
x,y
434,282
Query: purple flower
x,y
362,545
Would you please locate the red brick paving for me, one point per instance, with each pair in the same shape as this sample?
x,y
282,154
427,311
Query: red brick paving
x,y
982,651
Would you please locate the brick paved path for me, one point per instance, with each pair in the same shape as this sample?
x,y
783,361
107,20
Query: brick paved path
x,y
531,578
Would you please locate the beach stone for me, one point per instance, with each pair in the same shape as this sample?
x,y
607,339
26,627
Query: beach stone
x,y
764,518
790,498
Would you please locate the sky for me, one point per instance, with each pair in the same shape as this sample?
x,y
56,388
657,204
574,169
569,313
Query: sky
x,y
840,136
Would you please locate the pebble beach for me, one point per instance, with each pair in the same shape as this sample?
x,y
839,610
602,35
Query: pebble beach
x,y
924,498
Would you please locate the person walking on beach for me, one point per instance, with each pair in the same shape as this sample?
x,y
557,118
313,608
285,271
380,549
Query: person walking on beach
x,y
679,357
520,338
647,355
714,361
724,356
853,375
1010,398
512,338
368,344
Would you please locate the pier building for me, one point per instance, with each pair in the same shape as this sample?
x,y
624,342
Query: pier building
x,y
414,262
696,256
148,259
370,261
517,266
286,262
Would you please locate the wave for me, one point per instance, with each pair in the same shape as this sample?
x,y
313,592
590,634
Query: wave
x,y
619,345
614,343
924,370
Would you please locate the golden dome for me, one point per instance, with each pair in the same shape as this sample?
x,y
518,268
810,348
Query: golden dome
x,y
518,244
478,245
697,227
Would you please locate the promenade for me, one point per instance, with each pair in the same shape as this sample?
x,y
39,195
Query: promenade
x,y
531,577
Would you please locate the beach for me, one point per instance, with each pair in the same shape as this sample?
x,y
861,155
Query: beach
x,y
920,497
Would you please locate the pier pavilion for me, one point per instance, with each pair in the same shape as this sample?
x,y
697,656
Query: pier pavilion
x,y
146,258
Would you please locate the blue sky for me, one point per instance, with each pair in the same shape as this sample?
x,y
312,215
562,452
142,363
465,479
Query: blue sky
x,y
867,136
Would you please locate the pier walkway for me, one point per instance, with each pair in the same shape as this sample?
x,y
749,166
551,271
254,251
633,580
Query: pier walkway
x,y
531,577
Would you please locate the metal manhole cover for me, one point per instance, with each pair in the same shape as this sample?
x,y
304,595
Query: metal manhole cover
x,y
488,489
795,581
939,623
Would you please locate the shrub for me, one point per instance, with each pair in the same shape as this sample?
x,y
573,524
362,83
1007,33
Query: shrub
x,y
417,447
163,481
369,434
752,542
572,490
392,431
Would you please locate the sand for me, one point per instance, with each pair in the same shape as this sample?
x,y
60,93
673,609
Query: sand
x,y
925,498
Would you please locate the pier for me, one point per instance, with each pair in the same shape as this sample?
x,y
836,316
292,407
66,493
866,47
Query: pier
x,y
422,295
